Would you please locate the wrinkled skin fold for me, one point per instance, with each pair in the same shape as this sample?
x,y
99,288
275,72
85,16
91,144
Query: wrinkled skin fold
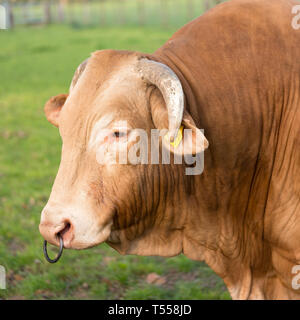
x,y
238,68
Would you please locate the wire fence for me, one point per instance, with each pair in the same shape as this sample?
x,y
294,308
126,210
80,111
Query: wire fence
x,y
162,13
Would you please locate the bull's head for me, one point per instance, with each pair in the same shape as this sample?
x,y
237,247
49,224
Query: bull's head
x,y
131,206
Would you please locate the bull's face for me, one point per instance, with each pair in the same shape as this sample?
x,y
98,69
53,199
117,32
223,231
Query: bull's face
x,y
96,198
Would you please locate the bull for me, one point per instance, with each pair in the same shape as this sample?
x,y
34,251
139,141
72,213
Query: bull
x,y
234,72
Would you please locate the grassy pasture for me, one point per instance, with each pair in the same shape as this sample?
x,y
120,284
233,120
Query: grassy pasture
x,y
36,63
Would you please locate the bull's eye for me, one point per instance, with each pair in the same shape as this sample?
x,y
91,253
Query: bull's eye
x,y
119,134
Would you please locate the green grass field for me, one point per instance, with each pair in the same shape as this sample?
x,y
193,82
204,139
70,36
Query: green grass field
x,y
36,63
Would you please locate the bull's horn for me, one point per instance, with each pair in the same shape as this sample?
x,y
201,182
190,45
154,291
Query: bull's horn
x,y
168,83
78,73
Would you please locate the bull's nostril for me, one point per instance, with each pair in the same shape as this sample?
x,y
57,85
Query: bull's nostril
x,y
65,229
66,232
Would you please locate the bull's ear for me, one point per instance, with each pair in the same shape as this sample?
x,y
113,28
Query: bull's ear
x,y
53,107
190,140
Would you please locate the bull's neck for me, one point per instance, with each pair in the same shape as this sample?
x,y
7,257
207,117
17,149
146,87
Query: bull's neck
x,y
166,231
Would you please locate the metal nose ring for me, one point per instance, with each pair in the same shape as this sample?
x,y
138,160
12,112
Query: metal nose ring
x,y
61,248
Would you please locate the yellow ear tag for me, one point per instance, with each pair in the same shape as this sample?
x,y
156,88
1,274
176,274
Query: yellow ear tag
x,y
178,139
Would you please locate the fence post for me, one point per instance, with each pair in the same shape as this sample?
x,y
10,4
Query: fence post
x,y
102,12
47,12
122,11
141,12
61,11
70,14
25,12
190,10
85,11
9,14
164,12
